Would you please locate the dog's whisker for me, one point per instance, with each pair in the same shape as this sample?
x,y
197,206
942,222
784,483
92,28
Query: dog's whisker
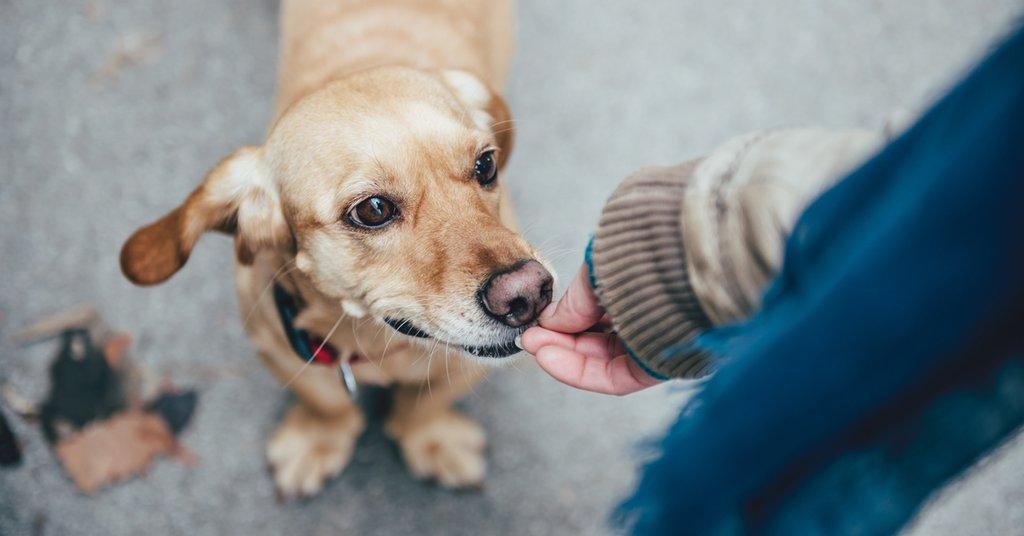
x,y
562,255
317,351
548,240
446,372
430,358
359,344
503,122
465,377
392,337
263,293
421,357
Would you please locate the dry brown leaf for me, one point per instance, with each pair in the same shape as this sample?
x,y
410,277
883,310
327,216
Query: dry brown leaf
x,y
117,448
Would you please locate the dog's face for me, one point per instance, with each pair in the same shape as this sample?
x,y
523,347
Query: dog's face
x,y
384,188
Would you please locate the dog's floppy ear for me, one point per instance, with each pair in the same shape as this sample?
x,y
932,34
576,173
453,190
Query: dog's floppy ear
x,y
236,197
487,109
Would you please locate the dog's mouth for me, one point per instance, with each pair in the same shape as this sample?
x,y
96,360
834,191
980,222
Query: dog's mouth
x,y
406,328
498,350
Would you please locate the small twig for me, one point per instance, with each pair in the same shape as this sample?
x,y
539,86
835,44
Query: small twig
x,y
129,52
51,326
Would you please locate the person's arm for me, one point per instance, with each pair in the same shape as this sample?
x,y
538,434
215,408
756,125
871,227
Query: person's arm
x,y
681,249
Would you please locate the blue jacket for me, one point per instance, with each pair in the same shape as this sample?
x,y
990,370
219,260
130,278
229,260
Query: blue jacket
x,y
889,353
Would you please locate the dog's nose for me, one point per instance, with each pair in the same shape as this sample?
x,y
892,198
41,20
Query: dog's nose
x,y
517,295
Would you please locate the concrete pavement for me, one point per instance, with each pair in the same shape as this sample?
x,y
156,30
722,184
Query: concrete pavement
x,y
113,111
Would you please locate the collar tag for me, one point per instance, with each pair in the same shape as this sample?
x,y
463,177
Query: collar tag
x,y
348,378
303,344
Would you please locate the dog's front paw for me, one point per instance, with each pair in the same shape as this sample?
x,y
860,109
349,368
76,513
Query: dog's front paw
x,y
448,447
307,449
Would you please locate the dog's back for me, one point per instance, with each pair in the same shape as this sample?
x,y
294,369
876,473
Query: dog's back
x,y
324,39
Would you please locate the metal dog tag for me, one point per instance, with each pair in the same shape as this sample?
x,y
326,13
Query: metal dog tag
x,y
348,378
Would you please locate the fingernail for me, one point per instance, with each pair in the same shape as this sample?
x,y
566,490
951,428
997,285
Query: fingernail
x,y
519,342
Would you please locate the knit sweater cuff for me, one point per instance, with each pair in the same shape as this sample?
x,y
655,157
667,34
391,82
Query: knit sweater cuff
x,y
638,266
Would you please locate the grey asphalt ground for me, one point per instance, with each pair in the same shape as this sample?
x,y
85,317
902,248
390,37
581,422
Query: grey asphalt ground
x,y
91,147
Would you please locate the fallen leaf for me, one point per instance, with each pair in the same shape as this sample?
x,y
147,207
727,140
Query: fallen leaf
x,y
175,408
122,446
83,387
107,416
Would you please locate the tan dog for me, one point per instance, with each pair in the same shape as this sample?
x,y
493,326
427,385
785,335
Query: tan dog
x,y
375,202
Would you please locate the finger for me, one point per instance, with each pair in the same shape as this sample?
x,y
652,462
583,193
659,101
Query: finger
x,y
577,310
594,345
617,376
536,338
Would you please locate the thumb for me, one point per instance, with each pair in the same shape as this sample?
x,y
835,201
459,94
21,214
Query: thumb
x,y
577,310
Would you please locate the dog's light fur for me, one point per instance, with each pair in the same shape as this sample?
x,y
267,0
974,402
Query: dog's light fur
x,y
394,97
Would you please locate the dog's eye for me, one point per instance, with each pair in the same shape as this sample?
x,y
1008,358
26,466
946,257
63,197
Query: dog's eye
x,y
373,212
485,170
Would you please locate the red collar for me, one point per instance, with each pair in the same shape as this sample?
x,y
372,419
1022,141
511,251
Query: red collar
x,y
309,348
323,352
306,346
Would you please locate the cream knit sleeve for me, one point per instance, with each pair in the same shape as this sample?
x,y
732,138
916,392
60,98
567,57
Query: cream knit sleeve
x,y
681,249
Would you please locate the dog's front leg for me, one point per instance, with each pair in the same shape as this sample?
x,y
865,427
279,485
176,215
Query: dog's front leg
x,y
315,440
436,440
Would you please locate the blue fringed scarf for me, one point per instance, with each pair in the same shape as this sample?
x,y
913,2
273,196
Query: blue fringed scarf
x,y
889,354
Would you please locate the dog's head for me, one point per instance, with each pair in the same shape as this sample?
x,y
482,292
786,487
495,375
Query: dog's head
x,y
384,188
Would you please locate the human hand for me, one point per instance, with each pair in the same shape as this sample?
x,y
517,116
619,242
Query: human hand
x,y
576,347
